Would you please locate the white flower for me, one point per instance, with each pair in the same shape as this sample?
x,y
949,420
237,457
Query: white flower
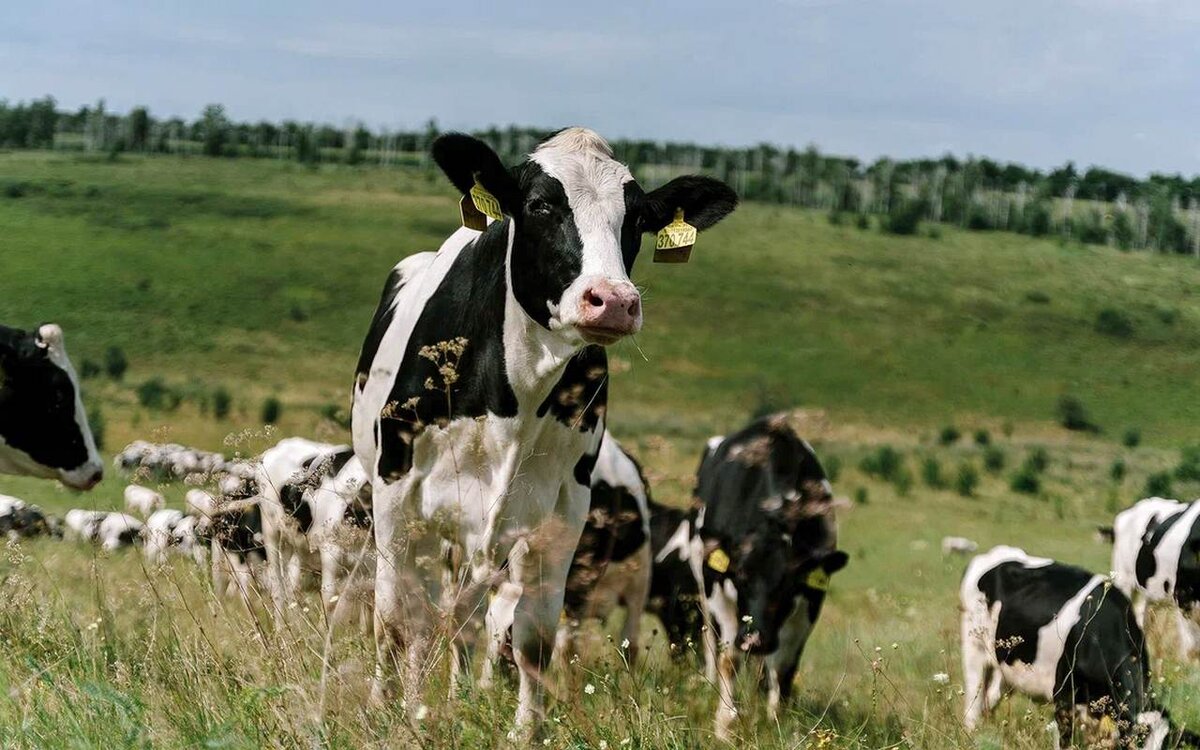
x,y
747,618
422,712
603,744
941,678
589,688
624,644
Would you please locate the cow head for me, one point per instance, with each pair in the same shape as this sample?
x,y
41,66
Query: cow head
x,y
578,218
43,427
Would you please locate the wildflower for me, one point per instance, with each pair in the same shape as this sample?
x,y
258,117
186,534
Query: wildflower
x,y
603,744
941,678
589,688
624,644
422,712
747,618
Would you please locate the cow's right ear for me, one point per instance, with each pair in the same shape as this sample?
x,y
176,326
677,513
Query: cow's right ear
x,y
703,200
834,561
465,159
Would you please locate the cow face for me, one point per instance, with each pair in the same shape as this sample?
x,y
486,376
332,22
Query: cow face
x,y
43,427
577,219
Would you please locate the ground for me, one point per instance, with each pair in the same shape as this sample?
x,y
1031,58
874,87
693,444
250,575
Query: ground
x,y
259,277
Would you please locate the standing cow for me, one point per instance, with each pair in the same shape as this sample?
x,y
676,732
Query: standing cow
x,y
482,385
44,429
764,545
1156,558
1058,634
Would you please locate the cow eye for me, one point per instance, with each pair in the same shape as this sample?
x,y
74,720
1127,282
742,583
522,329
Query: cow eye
x,y
539,207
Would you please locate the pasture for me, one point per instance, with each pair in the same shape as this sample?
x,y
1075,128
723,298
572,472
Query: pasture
x,y
259,278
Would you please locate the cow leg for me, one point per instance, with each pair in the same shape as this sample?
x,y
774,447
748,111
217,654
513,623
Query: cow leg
x,y
1139,607
276,575
722,619
981,675
635,602
498,621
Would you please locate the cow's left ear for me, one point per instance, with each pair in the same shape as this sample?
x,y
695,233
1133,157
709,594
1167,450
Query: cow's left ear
x,y
704,201
465,159
834,561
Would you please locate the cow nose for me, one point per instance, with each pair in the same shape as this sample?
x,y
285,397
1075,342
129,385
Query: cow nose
x,y
94,478
611,309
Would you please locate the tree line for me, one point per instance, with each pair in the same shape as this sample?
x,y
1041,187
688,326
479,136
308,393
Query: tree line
x,y
1095,205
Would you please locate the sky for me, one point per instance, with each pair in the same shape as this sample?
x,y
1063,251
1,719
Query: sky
x,y
1108,82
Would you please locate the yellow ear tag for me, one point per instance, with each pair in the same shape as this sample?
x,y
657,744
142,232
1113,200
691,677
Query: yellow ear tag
x,y
818,579
477,206
1107,725
718,560
674,241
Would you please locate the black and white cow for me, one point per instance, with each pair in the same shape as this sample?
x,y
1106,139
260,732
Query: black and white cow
x,y
1062,635
341,535
233,532
21,520
674,596
764,545
44,429
1156,558
482,385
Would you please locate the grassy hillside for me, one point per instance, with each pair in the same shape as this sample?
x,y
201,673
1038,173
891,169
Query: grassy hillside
x,y
260,277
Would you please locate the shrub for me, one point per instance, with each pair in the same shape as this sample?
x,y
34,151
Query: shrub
x,y
966,480
1168,316
115,363
835,218
1132,438
1117,470
905,217
1188,469
934,232
861,496
832,466
903,481
978,219
156,394
1038,459
885,463
271,410
1026,480
1115,323
1037,297
1073,415
96,421
222,402
983,438
863,221
1122,230
338,416
1037,219
949,435
88,369
931,474
1158,484
993,459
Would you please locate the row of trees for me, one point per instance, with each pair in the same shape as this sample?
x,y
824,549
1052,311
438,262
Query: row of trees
x,y
1095,205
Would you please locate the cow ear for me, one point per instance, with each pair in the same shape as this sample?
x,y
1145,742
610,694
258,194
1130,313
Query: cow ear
x,y
704,202
465,159
835,561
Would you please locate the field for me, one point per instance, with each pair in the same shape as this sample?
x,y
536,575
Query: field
x,y
259,277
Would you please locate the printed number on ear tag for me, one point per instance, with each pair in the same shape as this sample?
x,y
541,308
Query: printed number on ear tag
x,y
674,242
718,560
818,580
478,206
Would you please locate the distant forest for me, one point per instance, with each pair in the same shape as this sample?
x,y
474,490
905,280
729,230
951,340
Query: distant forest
x,y
1097,205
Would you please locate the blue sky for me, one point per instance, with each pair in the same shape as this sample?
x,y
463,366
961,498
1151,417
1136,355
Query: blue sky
x,y
1113,82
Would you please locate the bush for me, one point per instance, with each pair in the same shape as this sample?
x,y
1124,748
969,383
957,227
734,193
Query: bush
x,y
1115,323
863,221
949,435
835,218
1038,459
978,219
831,464
983,438
1037,297
966,480
115,363
1188,469
1117,470
993,459
88,369
903,481
1158,484
271,410
861,496
931,474
1026,480
222,402
338,416
96,421
1037,219
905,217
1168,316
156,394
1132,438
884,463
1073,415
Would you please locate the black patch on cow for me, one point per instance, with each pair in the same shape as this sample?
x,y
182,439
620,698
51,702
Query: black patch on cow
x,y
1147,565
37,403
360,511
612,533
313,471
547,254
1030,597
380,322
580,397
237,530
674,596
469,304
26,521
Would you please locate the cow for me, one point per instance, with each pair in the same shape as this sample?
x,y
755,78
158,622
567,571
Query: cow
x,y
482,384
200,502
1156,558
110,530
233,533
958,545
674,597
83,525
158,534
143,500
19,519
763,547
44,429
1061,635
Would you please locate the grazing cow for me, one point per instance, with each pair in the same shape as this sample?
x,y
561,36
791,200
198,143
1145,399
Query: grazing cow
x,y
233,531
674,596
1062,635
170,460
285,472
142,500
482,385
44,429
19,520
958,545
764,545
199,502
1156,558
83,525
110,530
341,534
158,534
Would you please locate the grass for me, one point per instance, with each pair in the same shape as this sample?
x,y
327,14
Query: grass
x,y
195,268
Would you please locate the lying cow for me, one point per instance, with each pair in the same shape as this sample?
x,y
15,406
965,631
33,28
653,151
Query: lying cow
x,y
44,430
1061,635
482,384
142,500
1156,558
110,530
763,547
20,520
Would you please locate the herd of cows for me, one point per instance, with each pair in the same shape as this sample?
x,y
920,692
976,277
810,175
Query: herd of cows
x,y
483,492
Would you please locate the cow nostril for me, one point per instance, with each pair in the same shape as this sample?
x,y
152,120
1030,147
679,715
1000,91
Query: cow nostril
x,y
593,299
634,307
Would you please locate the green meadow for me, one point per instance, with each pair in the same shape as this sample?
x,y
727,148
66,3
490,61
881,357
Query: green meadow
x,y
258,278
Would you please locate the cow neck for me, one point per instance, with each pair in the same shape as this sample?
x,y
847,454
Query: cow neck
x,y
535,357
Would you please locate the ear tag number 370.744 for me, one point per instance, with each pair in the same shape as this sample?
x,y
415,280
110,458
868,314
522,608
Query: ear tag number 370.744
x,y
477,206
674,242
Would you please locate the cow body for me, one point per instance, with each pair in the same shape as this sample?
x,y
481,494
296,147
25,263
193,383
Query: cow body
x,y
19,519
1058,634
233,533
110,530
481,389
674,597
763,547
1156,558
142,500
341,534
44,430
169,529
